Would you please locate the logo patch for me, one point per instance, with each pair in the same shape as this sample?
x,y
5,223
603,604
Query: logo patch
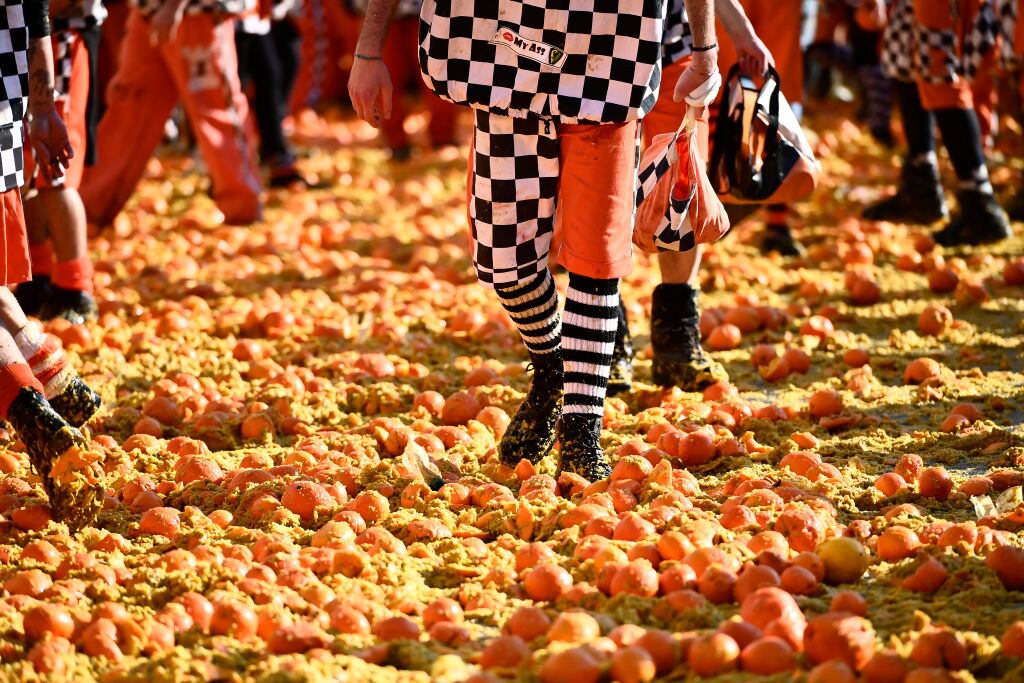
x,y
531,49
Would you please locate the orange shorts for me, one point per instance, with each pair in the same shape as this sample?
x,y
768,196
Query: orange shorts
x,y
15,263
526,175
72,109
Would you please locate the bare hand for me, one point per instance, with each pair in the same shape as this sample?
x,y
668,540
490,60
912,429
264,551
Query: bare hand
x,y
369,88
50,142
698,85
163,25
754,57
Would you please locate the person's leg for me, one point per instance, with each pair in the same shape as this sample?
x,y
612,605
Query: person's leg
x,y
139,100
513,185
46,435
204,67
918,198
980,219
67,393
72,275
269,109
596,207
287,43
35,292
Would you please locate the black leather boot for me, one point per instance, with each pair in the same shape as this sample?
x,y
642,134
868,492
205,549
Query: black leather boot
x,y
74,305
679,360
980,220
77,403
32,295
47,437
918,199
579,450
531,433
780,238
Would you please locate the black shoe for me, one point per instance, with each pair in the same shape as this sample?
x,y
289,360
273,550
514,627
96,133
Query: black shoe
x,y
678,358
620,378
780,238
77,498
77,403
531,433
401,154
918,200
980,220
32,295
74,305
579,450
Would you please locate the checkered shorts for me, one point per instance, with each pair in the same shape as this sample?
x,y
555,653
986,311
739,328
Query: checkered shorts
x,y
1007,12
514,195
589,61
913,52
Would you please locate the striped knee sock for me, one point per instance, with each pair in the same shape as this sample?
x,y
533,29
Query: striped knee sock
x,y
588,341
46,358
533,307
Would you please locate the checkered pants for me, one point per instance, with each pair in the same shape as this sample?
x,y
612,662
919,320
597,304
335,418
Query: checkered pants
x,y
514,187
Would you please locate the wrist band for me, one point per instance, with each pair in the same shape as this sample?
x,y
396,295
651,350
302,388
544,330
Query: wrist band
x,y
706,48
368,58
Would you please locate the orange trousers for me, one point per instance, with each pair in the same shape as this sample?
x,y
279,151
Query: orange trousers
x,y
401,57
777,24
329,33
15,264
199,67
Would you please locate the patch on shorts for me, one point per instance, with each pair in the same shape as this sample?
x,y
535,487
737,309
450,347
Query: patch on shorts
x,y
543,53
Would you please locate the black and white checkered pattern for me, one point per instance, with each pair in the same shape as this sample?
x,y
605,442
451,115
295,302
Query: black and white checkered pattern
x,y
674,232
608,57
14,83
80,14
677,41
514,195
899,41
1007,12
910,50
220,7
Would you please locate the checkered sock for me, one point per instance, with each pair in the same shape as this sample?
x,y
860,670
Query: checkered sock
x,y
588,341
533,307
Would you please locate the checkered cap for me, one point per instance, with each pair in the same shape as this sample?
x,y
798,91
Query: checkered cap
x,y
678,41
14,86
608,54
222,7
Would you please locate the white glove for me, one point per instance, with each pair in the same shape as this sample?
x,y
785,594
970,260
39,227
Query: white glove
x,y
705,93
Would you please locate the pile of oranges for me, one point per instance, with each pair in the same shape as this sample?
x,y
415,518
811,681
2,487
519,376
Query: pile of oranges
x,y
300,429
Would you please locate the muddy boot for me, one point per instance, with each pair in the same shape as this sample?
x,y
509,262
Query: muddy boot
x,y
59,454
580,452
77,403
531,433
980,220
620,378
679,359
32,295
74,305
918,200
780,238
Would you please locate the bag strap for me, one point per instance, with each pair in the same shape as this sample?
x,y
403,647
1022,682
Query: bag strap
x,y
772,143
718,149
